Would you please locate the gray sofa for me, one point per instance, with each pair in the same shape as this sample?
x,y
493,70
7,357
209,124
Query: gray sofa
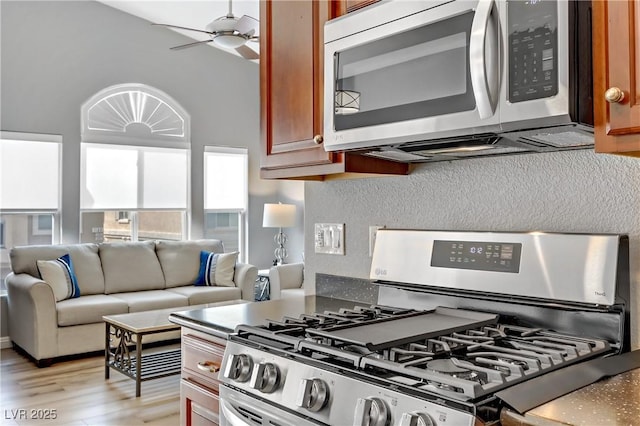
x,y
113,278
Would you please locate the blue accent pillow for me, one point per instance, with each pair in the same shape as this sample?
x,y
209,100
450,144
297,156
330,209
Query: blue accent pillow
x,y
60,275
217,269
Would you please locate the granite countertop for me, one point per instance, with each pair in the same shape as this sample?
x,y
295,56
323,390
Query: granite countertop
x,y
222,320
612,401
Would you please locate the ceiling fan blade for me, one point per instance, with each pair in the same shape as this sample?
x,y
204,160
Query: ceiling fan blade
x,y
183,28
247,52
246,24
184,46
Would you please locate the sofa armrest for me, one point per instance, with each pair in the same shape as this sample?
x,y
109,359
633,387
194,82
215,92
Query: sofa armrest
x,y
245,278
33,319
285,277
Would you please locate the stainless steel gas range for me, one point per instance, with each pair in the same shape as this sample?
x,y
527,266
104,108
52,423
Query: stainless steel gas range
x,y
462,318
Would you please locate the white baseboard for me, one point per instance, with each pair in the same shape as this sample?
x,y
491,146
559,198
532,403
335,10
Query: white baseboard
x,y
5,342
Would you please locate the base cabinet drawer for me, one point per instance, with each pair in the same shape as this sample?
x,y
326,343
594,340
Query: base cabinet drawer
x,y
201,360
199,406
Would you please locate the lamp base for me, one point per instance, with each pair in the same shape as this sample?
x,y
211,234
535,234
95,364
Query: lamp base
x,y
280,252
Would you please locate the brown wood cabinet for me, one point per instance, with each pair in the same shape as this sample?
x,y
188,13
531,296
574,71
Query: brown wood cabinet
x,y
616,63
291,94
201,358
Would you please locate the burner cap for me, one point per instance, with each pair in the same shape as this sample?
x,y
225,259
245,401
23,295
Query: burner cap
x,y
445,365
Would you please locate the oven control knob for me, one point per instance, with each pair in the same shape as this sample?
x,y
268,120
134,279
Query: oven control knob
x,y
416,419
265,377
371,412
238,367
313,394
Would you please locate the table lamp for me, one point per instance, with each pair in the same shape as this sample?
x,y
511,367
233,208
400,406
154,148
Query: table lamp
x,y
279,216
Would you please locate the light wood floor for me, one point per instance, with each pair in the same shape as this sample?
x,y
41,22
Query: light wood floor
x,y
80,395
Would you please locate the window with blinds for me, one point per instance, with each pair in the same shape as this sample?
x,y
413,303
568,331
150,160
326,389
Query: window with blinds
x,y
225,197
134,166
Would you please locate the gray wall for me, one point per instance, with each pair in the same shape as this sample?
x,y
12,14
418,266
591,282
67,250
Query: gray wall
x,y
577,191
57,54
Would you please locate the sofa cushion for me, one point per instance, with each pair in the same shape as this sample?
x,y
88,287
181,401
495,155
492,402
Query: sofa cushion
x,y
202,295
217,269
130,267
86,262
60,276
88,309
180,260
154,299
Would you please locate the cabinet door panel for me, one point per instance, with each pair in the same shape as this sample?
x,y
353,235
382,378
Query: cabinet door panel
x,y
617,64
292,37
198,406
292,73
623,71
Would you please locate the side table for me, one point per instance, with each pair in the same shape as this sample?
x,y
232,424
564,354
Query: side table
x,y
262,285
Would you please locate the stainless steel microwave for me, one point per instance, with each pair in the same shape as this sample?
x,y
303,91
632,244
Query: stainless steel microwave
x,y
439,80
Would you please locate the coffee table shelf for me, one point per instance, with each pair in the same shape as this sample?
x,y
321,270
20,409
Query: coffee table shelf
x,y
153,366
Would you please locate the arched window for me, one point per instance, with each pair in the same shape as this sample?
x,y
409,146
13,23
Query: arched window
x,y
134,166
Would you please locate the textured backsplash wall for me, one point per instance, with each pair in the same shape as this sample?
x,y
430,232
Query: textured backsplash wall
x,y
572,191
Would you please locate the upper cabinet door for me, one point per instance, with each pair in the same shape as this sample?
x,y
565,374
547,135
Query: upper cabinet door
x,y
291,82
616,56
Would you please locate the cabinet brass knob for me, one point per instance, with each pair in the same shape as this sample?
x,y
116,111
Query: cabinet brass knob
x,y
209,366
318,139
614,95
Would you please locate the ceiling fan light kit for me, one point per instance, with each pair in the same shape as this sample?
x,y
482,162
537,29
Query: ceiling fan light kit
x,y
229,41
227,32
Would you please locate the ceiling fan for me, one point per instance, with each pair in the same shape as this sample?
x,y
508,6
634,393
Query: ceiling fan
x,y
228,32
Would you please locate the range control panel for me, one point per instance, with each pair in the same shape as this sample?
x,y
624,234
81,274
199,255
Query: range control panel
x,y
533,49
480,256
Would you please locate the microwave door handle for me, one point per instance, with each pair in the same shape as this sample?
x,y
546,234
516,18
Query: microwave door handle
x,y
477,55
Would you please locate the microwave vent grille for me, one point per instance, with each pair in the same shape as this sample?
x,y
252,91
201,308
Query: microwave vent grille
x,y
570,139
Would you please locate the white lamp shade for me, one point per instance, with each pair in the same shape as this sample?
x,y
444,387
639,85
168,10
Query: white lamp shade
x,y
279,216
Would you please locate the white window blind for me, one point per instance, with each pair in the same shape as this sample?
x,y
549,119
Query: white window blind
x,y
133,177
225,179
39,189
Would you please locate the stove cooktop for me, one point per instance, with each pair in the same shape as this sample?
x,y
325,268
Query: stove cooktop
x,y
453,353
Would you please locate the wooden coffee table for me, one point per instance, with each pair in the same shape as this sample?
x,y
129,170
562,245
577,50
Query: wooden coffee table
x,y
123,345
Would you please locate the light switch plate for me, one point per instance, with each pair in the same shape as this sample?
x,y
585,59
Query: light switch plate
x,y
329,238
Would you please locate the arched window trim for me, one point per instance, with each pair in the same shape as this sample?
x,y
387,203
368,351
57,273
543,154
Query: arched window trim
x,y
107,116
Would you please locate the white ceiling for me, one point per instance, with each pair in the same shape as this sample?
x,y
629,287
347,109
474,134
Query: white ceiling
x,y
188,13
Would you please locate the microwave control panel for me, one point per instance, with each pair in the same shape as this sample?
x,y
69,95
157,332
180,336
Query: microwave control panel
x,y
533,49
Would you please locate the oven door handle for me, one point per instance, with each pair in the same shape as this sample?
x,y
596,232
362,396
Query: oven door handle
x,y
484,63
231,415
